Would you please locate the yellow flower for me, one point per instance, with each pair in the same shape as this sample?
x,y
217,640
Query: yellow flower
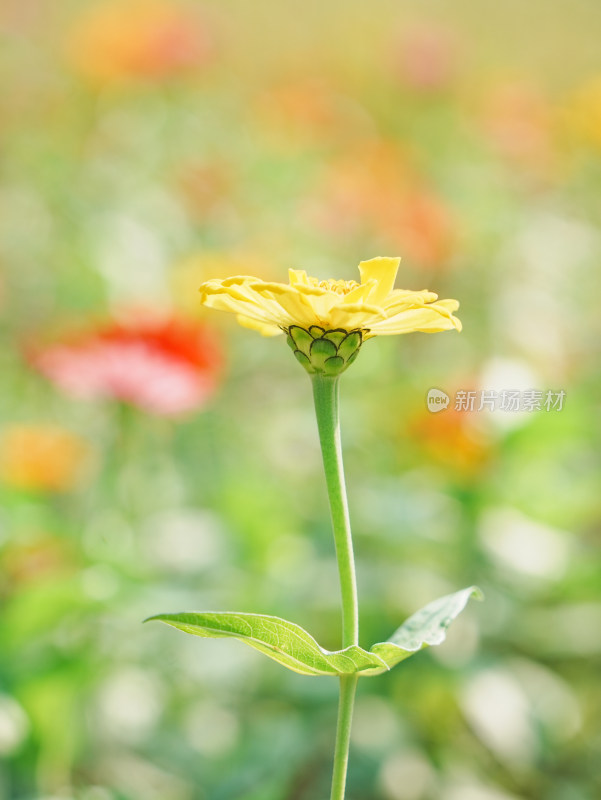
x,y
327,321
374,307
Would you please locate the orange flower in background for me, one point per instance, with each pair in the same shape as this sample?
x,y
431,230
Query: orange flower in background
x,y
450,439
375,190
518,121
309,110
114,42
205,189
43,457
163,367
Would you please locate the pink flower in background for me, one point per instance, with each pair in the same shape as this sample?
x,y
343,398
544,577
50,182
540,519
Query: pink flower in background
x,y
425,58
163,367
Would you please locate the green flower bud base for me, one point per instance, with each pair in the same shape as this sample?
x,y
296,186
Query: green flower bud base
x,y
324,352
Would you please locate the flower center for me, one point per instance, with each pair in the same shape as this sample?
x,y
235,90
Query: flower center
x,y
339,287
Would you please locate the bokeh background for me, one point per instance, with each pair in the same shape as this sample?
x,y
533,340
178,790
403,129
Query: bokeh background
x,y
154,457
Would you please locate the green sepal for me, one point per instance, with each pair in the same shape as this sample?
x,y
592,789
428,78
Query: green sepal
x,y
294,648
327,352
352,358
350,345
335,336
321,349
333,365
304,360
299,339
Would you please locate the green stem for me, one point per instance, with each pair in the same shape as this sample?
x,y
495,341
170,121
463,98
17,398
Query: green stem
x,y
325,393
348,684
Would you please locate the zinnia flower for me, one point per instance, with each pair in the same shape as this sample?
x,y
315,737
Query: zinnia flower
x,y
164,367
326,321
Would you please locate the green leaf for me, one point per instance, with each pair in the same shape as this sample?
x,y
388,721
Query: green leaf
x,y
285,642
425,628
291,645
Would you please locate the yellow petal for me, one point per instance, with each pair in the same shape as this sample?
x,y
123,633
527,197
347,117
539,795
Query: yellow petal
x,y
292,304
432,318
263,329
240,299
321,300
401,298
360,293
383,271
236,280
355,315
297,276
447,305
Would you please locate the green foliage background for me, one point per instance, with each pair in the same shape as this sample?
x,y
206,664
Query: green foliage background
x,y
128,195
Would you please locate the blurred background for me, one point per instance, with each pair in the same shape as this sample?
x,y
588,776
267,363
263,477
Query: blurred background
x,y
155,457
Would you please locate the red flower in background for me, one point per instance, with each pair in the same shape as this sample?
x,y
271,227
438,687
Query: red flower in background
x,y
163,367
